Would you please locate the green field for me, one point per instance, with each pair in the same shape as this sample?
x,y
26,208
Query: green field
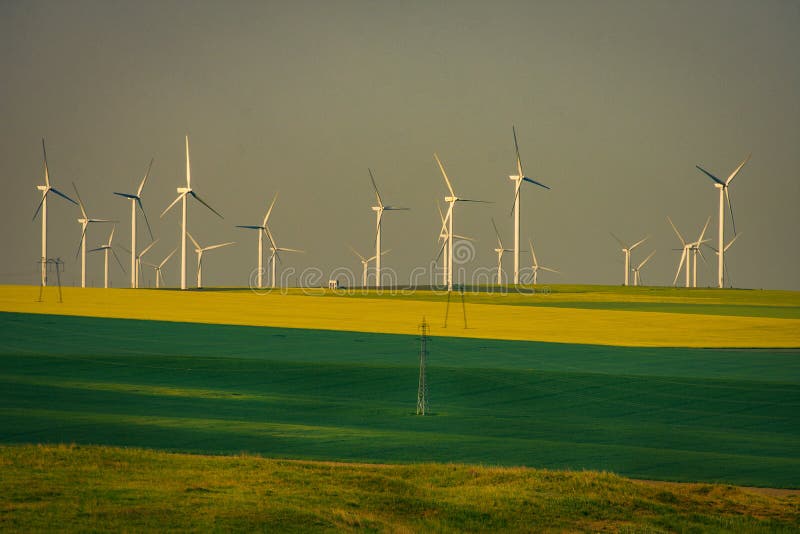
x,y
88,489
712,415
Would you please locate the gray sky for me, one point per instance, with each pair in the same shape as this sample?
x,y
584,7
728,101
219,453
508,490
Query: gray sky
x,y
614,104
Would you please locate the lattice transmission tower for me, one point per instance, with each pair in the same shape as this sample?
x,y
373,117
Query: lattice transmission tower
x,y
422,389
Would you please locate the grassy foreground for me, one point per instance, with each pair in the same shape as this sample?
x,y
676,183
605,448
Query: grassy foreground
x,y
108,489
587,318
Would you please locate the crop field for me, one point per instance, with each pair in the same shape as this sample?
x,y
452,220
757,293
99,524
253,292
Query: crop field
x,y
638,383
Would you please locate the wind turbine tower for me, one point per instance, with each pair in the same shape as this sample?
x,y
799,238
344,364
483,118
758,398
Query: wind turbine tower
x,y
723,196
518,179
182,192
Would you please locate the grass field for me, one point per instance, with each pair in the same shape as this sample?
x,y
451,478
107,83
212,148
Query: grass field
x,y
673,414
89,489
602,319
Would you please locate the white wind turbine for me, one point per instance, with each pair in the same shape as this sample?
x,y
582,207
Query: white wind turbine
x,y
696,250
84,221
518,179
182,192
451,200
500,251
626,250
443,233
536,265
365,264
723,196
139,257
275,250
199,251
261,231
45,189
685,257
379,209
136,199
160,266
637,279
106,248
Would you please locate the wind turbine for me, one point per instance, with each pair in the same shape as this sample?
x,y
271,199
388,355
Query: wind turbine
x,y
159,276
379,209
275,249
105,248
696,250
84,221
518,179
727,273
365,264
182,192
443,233
199,250
627,251
723,196
500,250
45,189
536,265
139,259
637,279
136,199
451,200
261,231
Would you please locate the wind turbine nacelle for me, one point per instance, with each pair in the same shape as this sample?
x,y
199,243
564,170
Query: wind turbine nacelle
x,y
183,190
514,177
718,186
42,187
376,208
450,199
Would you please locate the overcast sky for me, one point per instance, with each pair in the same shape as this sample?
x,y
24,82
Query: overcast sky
x,y
614,104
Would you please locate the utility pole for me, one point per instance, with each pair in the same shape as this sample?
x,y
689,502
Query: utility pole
x,y
422,389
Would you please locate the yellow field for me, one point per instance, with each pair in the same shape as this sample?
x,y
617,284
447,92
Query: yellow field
x,y
397,316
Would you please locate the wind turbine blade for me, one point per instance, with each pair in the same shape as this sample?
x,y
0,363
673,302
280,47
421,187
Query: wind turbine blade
x,y
98,248
516,148
284,249
173,203
250,227
46,170
516,196
549,269
446,179
465,238
111,236
731,242
533,254
720,182
59,193
375,188
385,252
683,242
149,231
645,260
271,240
114,252
639,242
147,248
703,233
188,166
739,168
212,247
535,182
441,249
680,266
473,200
196,244
497,233
269,211
395,208
83,235
444,230
165,260
730,207
80,201
126,195
144,180
205,204
439,208
618,240
39,207
362,258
